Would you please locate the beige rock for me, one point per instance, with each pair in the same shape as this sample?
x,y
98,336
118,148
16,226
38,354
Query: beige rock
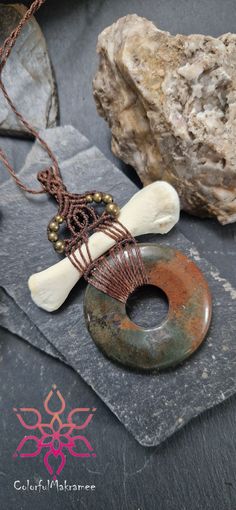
x,y
170,102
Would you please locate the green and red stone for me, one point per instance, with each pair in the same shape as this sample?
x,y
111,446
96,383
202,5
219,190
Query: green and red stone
x,y
179,335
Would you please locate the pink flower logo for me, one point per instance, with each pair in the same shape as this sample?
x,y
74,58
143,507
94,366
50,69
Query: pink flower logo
x,y
56,436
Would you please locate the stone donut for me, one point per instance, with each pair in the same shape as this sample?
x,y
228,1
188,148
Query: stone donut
x,y
177,337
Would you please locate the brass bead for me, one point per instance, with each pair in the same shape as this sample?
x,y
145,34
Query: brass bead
x,y
59,219
107,199
113,209
97,197
53,225
59,246
52,236
89,198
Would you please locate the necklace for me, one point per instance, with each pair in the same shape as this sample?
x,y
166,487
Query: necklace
x,y
101,246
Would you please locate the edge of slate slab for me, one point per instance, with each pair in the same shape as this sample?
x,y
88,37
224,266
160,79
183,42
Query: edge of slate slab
x,y
85,161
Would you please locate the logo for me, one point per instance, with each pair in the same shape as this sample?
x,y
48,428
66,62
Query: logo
x,y
58,436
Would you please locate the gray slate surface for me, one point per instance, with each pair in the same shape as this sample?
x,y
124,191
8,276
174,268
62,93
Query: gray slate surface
x,y
152,407
27,76
17,322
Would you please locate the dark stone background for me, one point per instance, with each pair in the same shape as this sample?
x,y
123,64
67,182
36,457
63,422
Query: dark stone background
x,y
196,468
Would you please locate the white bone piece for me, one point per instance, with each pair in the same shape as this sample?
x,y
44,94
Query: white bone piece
x,y
153,210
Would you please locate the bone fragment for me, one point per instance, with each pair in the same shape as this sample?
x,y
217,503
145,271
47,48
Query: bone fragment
x,y
154,209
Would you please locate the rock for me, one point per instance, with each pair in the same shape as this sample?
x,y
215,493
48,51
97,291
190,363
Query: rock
x,y
157,348
170,102
27,76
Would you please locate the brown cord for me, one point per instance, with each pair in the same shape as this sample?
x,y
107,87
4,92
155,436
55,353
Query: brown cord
x,y
123,270
5,51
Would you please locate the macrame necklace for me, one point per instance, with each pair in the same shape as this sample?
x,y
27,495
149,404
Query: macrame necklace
x,y
126,265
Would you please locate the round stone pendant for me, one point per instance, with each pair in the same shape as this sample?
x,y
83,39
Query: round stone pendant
x,y
179,335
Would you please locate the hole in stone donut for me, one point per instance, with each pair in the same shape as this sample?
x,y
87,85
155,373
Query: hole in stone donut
x,y
147,306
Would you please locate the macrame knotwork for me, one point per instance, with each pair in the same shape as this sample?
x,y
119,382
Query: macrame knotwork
x,y
117,275
125,272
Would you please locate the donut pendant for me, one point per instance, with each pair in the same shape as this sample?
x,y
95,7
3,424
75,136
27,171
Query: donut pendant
x,y
179,335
